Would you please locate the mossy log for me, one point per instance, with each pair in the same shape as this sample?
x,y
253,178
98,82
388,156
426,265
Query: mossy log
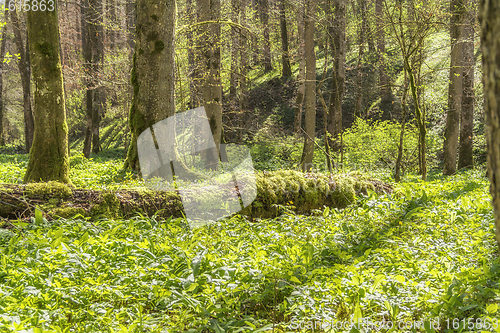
x,y
301,192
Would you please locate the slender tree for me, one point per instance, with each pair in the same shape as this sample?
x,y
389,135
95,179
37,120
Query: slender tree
x,y
243,69
264,17
209,11
152,75
358,105
299,100
2,56
285,57
235,45
465,156
489,11
385,88
338,47
310,94
454,88
25,71
48,159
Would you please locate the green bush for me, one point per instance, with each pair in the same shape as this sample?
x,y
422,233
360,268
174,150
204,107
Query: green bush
x,y
375,145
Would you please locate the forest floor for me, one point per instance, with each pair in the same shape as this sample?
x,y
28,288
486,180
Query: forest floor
x,y
421,255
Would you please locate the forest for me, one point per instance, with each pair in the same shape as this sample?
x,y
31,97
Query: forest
x,y
250,166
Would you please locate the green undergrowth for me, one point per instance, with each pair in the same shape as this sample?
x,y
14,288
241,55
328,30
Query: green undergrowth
x,y
426,252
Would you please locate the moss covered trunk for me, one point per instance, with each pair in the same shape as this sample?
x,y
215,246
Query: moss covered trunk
x,y
276,191
48,158
152,75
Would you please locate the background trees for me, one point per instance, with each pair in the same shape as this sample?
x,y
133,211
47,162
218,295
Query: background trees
x,y
246,60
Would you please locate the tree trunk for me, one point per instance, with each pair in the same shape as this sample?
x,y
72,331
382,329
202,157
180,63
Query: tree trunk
x,y
397,173
264,17
243,70
2,56
420,117
285,57
465,156
490,47
255,41
454,88
131,20
111,6
338,75
310,95
48,159
235,32
209,10
93,58
194,77
385,88
87,56
358,105
152,74
25,71
302,67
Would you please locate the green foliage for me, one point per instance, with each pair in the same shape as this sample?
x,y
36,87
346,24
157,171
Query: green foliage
x,y
375,145
425,253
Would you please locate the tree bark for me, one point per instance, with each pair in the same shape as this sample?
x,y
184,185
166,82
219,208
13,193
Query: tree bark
x,y
397,173
338,75
385,88
233,82
243,70
93,58
48,159
285,57
209,10
194,90
358,105
111,9
465,156
131,20
2,56
454,88
299,100
152,74
310,91
490,47
264,17
25,72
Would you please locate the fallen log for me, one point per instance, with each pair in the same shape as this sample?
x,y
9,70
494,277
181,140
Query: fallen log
x,y
300,192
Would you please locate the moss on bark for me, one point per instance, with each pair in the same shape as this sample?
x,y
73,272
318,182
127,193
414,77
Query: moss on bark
x,y
49,152
305,192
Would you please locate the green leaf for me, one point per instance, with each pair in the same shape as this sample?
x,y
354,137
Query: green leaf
x,y
326,212
492,308
307,253
400,278
358,316
38,216
378,280
294,279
